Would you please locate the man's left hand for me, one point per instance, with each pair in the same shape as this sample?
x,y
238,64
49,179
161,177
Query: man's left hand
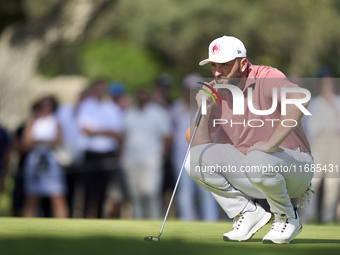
x,y
265,147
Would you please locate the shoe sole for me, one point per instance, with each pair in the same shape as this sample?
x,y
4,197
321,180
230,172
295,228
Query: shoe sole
x,y
296,232
252,232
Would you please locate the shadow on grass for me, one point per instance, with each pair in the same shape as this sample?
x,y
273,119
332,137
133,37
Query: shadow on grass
x,y
104,245
315,241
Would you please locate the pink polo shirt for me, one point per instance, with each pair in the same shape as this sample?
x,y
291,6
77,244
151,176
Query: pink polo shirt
x,y
245,130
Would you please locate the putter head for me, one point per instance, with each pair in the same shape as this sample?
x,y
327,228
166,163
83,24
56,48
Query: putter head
x,y
152,239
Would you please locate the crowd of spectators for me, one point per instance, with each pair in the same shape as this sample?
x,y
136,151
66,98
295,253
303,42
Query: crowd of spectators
x,y
107,155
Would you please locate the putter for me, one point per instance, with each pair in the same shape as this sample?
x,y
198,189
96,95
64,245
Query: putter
x,y
157,238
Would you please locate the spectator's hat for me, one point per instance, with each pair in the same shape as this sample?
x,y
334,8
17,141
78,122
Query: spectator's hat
x,y
225,49
117,89
163,80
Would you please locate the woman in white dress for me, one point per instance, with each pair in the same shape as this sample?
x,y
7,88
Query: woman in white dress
x,y
43,175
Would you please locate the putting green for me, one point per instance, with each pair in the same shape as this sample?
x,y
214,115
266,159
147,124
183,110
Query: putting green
x,y
20,236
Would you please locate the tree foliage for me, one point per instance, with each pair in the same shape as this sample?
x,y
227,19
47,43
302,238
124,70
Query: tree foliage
x,y
122,60
295,36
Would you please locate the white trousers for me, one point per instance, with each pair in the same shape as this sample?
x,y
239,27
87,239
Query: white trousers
x,y
144,182
233,190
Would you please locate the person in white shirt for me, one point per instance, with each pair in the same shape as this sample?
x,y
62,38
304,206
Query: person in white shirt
x,y
43,175
146,131
100,119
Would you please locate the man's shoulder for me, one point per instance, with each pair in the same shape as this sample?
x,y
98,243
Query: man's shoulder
x,y
262,71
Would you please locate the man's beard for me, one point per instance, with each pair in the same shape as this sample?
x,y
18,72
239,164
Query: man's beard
x,y
235,79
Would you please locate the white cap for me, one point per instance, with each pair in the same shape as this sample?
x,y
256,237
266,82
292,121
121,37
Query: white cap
x,y
225,49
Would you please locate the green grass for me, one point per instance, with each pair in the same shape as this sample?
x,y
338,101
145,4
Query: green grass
x,y
21,236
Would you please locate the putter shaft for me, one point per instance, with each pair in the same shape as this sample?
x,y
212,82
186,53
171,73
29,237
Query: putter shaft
x,y
198,119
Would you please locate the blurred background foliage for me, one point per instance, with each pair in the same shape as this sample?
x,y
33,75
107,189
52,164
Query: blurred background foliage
x,y
115,59
133,41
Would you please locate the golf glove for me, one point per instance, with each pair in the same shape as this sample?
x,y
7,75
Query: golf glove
x,y
306,197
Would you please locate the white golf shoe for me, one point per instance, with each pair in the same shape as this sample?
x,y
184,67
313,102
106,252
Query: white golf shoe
x,y
284,229
246,224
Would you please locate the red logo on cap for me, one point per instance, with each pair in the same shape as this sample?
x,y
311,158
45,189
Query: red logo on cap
x,y
215,48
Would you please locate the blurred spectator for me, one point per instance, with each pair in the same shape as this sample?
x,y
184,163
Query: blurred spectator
x,y
22,150
161,96
162,89
72,147
118,94
146,134
4,156
188,190
100,119
324,134
43,174
117,191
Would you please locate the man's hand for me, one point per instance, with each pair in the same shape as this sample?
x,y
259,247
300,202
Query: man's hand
x,y
210,101
265,147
